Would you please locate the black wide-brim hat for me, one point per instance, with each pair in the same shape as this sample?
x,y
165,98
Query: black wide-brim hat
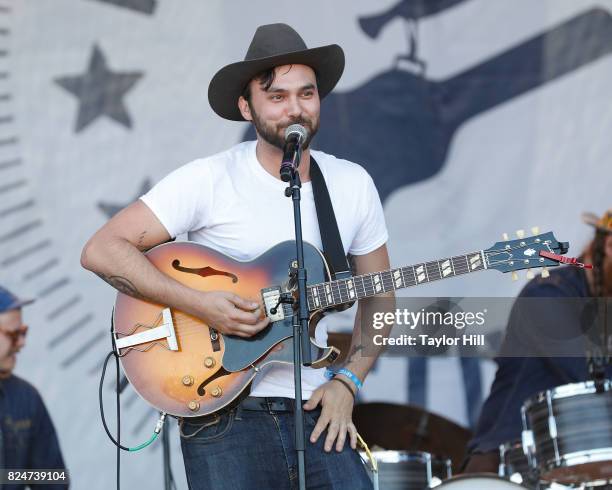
x,y
273,45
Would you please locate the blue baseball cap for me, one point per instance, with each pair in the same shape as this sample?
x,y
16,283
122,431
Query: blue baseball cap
x,y
8,301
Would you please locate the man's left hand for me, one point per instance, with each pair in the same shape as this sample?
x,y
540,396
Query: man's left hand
x,y
336,415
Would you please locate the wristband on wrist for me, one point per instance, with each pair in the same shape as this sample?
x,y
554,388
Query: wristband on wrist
x,y
350,375
330,373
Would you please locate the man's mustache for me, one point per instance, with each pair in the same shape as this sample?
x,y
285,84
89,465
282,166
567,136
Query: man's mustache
x,y
299,120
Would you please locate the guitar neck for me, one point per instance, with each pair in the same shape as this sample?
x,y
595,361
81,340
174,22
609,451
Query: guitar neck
x,y
342,291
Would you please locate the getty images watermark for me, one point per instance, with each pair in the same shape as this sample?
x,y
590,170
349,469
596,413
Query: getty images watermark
x,y
486,327
416,321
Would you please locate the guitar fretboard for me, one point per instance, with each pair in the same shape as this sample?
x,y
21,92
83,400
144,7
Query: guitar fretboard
x,y
334,293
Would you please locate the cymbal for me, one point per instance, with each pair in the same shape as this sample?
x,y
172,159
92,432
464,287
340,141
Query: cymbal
x,y
411,428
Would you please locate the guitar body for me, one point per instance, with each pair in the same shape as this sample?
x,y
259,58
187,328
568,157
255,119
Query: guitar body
x,y
195,371
186,368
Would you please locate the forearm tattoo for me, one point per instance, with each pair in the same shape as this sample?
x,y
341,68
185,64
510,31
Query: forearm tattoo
x,y
139,245
353,354
122,285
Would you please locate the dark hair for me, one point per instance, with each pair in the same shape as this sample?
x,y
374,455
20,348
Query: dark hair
x,y
265,79
597,256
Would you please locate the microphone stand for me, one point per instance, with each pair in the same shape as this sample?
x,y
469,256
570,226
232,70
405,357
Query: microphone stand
x,y
166,458
598,355
301,342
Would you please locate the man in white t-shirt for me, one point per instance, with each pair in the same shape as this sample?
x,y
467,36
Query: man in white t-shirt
x,y
234,202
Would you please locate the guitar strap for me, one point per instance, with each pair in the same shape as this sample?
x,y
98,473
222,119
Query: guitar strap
x,y
328,226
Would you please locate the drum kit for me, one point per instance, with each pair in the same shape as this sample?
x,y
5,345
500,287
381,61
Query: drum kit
x,y
566,444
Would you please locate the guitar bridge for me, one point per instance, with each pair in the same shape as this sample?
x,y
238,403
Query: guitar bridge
x,y
271,299
164,331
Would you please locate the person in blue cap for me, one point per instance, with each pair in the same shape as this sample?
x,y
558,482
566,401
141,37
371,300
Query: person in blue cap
x,y
27,437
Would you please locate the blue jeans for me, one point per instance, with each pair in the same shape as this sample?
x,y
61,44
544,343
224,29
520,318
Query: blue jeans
x,y
248,449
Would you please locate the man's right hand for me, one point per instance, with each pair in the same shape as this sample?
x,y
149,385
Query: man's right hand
x,y
232,315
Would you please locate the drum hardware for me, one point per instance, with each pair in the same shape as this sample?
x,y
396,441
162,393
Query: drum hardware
x,y
527,441
514,464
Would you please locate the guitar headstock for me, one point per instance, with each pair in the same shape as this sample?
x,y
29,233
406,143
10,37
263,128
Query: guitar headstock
x,y
524,252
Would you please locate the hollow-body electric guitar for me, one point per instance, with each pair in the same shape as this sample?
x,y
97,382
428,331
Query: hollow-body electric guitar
x,y
186,368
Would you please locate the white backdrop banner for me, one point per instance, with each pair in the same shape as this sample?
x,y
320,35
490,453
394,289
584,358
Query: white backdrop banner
x,y
473,117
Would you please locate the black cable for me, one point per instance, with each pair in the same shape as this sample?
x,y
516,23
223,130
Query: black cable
x,y
118,390
102,407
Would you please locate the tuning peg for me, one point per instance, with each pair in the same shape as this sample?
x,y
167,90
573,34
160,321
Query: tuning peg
x,y
535,230
514,276
529,274
520,233
505,237
545,272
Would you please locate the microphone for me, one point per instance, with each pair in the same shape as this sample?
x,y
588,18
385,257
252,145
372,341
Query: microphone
x,y
295,135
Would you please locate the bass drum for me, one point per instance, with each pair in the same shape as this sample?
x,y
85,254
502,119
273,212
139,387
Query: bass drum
x,y
479,482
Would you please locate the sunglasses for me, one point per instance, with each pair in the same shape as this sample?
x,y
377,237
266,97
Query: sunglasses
x,y
14,335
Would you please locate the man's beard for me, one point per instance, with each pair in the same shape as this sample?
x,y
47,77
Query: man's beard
x,y
275,134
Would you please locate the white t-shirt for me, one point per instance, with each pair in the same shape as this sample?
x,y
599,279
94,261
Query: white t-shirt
x,y
230,203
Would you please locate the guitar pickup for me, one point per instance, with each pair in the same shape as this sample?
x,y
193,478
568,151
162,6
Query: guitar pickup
x,y
164,332
271,297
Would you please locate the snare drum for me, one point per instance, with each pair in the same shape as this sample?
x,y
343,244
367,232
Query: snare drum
x,y
409,470
479,482
568,433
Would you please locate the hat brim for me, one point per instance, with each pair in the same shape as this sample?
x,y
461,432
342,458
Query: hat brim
x,y
24,302
17,304
229,82
595,221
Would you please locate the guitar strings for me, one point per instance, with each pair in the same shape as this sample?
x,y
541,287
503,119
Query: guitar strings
x,y
462,268
191,326
367,289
